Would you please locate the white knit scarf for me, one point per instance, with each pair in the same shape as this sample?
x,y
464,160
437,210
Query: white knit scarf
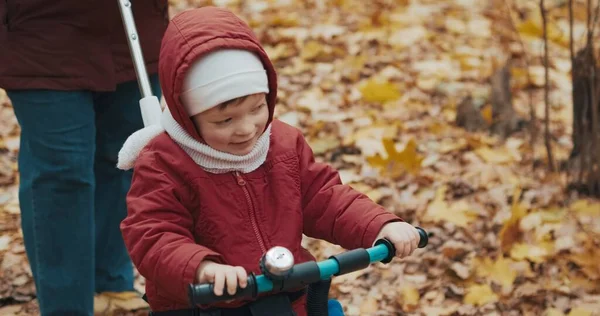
x,y
210,159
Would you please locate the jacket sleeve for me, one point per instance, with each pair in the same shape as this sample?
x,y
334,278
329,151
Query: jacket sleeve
x,y
333,211
158,229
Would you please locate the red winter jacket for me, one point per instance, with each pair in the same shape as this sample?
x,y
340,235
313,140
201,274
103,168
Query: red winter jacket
x,y
180,215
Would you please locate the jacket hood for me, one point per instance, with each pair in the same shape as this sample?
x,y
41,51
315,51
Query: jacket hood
x,y
195,33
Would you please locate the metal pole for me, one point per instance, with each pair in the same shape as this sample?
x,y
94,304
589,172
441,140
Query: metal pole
x,y
135,48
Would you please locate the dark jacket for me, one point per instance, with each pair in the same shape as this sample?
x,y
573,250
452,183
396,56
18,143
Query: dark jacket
x,y
74,44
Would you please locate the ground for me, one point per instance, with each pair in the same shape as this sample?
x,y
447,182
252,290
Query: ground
x,y
375,88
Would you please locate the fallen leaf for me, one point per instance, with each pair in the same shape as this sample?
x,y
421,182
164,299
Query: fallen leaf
x,y
480,295
533,28
586,207
579,312
408,36
528,252
588,261
486,113
453,249
553,312
500,271
511,232
311,50
4,242
321,145
368,138
313,101
397,163
21,280
10,310
409,298
369,306
463,271
379,92
458,213
496,156
10,260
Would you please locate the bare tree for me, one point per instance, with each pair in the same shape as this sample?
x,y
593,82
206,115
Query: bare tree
x,y
547,139
585,157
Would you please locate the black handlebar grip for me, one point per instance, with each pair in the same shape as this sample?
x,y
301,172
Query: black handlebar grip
x,y
202,294
423,241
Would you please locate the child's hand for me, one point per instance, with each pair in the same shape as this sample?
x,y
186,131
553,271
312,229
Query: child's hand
x,y
221,275
404,236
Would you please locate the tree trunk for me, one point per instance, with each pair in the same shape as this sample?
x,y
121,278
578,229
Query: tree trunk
x,y
585,157
504,119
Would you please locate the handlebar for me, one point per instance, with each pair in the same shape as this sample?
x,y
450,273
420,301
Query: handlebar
x,y
304,274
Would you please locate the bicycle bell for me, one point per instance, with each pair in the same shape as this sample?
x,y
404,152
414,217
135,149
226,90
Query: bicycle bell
x,y
277,263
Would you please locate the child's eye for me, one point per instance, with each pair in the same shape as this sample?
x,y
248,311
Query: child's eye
x,y
258,107
225,121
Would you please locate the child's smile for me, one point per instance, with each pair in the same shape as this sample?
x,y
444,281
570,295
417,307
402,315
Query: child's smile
x,y
234,127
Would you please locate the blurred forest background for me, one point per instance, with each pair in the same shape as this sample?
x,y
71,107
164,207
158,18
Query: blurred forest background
x,y
475,119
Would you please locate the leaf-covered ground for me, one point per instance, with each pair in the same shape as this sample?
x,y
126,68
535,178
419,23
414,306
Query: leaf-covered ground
x,y
375,86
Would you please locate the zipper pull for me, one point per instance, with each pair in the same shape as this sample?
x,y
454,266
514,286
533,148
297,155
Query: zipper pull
x,y
239,178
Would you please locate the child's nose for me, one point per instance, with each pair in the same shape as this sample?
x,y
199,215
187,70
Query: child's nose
x,y
245,128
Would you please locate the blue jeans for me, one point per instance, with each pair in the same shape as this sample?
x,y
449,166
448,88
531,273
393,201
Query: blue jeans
x,y
71,194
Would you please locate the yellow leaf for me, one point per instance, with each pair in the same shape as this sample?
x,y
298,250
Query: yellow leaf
x,y
586,207
311,50
553,312
321,145
406,37
396,163
499,271
449,145
533,28
529,252
290,19
588,261
458,213
497,156
410,298
372,132
519,76
486,113
511,231
553,215
356,62
379,92
583,282
579,312
279,51
480,295
427,83
439,128
129,301
369,306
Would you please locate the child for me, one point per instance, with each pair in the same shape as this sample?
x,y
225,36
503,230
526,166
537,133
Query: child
x,y
226,181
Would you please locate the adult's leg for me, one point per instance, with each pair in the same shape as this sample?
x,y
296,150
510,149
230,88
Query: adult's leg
x,y
117,116
56,194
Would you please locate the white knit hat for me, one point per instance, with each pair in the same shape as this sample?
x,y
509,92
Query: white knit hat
x,y
221,76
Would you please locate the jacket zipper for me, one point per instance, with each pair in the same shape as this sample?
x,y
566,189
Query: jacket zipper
x,y
241,182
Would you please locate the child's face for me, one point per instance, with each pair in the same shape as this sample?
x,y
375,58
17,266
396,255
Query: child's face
x,y
234,128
